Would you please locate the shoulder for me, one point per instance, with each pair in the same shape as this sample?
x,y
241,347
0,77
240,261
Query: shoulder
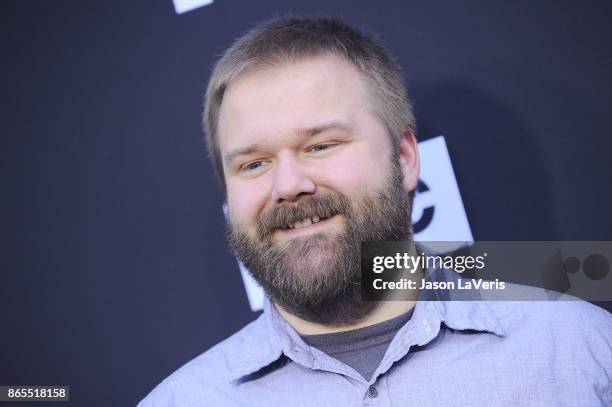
x,y
553,311
208,378
568,325
557,340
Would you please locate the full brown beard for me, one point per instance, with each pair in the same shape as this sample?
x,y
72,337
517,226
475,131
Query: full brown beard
x,y
318,277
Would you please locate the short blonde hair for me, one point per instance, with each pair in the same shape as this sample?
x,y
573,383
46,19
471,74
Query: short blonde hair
x,y
290,39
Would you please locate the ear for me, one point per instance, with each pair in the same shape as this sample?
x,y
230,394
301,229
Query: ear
x,y
409,160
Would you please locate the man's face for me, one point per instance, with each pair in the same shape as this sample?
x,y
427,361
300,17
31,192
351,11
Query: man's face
x,y
310,172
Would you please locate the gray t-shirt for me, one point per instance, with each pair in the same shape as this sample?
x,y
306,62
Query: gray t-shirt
x,y
362,349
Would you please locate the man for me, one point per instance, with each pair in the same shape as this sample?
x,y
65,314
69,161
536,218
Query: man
x,y
311,133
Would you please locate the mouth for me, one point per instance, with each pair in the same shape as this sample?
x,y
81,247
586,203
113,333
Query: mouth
x,y
304,223
306,226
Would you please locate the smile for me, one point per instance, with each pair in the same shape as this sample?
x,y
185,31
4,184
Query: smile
x,y
306,226
305,222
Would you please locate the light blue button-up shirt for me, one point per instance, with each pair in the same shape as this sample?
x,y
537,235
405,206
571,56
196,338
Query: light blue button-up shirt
x,y
450,353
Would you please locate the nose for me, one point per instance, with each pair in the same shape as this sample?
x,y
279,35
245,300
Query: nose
x,y
291,181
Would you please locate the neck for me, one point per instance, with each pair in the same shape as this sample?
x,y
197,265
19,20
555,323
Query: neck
x,y
384,311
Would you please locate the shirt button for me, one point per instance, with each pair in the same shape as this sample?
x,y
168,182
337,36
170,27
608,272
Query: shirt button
x,y
426,325
372,392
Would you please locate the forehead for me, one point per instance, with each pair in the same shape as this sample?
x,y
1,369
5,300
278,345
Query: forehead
x,y
278,100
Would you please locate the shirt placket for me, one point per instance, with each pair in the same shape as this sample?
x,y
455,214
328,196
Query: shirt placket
x,y
377,393
426,323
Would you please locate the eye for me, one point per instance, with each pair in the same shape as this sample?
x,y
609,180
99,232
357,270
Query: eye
x,y
253,165
321,147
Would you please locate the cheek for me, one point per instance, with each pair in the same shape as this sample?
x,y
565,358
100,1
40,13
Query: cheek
x,y
245,201
354,171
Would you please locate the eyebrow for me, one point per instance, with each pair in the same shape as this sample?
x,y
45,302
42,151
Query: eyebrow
x,y
303,133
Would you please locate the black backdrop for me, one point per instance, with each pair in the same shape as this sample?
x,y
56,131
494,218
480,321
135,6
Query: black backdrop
x,y
114,269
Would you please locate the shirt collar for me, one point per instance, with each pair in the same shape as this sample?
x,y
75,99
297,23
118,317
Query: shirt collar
x,y
461,310
278,337
275,338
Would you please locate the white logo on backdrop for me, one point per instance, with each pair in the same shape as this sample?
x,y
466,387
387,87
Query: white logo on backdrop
x,y
438,190
438,213
183,6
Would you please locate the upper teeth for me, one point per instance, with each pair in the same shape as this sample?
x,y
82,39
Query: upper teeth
x,y
304,222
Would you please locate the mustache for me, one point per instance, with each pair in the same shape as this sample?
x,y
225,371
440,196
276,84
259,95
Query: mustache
x,y
324,206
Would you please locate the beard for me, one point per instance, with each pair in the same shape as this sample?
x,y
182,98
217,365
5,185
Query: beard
x,y
318,277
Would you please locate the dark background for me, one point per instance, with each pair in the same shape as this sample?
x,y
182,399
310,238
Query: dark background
x,y
114,268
